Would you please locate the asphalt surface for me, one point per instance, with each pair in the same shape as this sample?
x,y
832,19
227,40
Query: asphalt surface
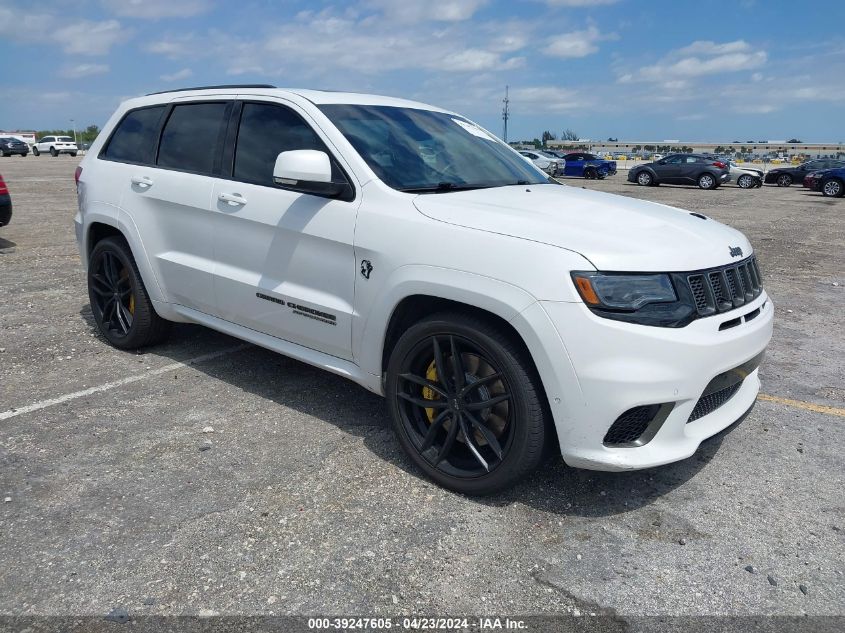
x,y
301,502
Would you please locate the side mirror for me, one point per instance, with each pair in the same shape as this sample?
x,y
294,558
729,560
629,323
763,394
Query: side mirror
x,y
661,162
308,171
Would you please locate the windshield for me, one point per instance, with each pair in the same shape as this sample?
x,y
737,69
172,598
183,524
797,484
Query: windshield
x,y
420,150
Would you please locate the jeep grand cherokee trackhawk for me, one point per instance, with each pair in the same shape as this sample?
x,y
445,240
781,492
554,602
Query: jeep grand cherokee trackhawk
x,y
408,249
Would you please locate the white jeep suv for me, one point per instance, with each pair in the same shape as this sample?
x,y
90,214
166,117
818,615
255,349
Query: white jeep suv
x,y
55,145
406,248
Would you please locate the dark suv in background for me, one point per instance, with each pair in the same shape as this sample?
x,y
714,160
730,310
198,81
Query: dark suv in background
x,y
785,176
682,169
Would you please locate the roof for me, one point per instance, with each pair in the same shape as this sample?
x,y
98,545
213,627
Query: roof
x,y
317,97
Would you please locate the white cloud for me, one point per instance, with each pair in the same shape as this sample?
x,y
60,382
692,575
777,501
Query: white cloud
x,y
578,3
699,59
155,9
407,11
545,99
179,74
574,44
702,47
89,38
83,70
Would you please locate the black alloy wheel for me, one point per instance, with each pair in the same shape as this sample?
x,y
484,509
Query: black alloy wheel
x,y
122,309
465,404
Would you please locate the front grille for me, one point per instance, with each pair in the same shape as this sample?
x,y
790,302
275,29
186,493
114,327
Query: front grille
x,y
629,427
709,403
725,288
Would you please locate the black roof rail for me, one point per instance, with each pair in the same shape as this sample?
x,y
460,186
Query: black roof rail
x,y
161,92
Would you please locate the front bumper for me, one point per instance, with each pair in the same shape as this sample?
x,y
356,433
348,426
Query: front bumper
x,y
618,366
724,178
22,151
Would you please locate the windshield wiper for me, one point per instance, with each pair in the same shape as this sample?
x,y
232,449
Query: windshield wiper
x,y
443,187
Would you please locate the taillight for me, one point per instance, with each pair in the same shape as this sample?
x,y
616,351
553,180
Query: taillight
x,y
77,174
719,164
4,190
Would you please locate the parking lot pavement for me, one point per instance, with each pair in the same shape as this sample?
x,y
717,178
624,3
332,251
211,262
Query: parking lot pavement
x,y
300,501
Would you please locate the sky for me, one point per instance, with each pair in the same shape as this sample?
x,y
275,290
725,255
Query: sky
x,y
629,69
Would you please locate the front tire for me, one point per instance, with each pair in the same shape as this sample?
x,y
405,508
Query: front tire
x,y
590,173
745,181
833,188
466,403
707,181
645,179
784,180
119,301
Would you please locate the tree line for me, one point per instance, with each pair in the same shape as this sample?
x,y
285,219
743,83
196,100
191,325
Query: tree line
x,y
82,136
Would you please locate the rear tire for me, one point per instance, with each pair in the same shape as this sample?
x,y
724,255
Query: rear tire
x,y
707,181
53,152
35,152
119,301
784,180
833,188
477,461
73,154
645,179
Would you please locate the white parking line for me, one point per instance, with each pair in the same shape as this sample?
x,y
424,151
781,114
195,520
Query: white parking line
x,y
43,404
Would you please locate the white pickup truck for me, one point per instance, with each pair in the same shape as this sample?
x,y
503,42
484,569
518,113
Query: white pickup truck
x,y
55,145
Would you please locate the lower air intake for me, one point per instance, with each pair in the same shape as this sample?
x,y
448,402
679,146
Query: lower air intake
x,y
712,401
631,425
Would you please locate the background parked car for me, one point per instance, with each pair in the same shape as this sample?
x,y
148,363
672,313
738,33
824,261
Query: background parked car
x,y
831,182
588,166
55,145
9,146
745,177
548,163
785,176
681,169
5,203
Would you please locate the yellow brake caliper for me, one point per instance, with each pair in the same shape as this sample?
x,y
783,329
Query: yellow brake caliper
x,y
125,273
427,393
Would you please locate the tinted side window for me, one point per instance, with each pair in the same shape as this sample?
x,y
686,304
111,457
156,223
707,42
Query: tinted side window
x,y
189,140
134,138
265,131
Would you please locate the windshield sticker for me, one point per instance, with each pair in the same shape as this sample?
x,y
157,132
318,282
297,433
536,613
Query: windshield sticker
x,y
474,130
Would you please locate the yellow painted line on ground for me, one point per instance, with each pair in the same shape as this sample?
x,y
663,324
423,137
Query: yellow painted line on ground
x,y
800,404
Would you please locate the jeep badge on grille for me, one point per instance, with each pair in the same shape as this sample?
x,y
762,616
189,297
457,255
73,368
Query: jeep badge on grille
x,y
736,251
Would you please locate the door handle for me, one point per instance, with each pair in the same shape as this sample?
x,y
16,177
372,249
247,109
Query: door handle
x,y
142,181
232,198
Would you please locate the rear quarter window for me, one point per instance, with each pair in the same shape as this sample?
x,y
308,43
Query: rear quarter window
x,y
134,139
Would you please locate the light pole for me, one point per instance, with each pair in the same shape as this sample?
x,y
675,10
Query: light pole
x,y
73,125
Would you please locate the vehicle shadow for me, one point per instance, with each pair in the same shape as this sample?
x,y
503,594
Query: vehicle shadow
x,y
554,488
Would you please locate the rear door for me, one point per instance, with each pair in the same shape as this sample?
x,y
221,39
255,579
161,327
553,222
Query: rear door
x,y
167,195
285,260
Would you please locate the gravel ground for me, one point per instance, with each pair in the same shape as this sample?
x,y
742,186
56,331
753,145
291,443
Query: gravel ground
x,y
248,483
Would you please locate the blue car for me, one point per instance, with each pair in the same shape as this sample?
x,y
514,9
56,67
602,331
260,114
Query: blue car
x,y
583,165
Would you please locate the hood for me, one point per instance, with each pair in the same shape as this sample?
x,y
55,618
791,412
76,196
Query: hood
x,y
614,232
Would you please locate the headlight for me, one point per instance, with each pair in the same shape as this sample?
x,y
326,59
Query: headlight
x,y
623,292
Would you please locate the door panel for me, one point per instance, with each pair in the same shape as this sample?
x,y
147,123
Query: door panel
x,y
285,260
172,212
